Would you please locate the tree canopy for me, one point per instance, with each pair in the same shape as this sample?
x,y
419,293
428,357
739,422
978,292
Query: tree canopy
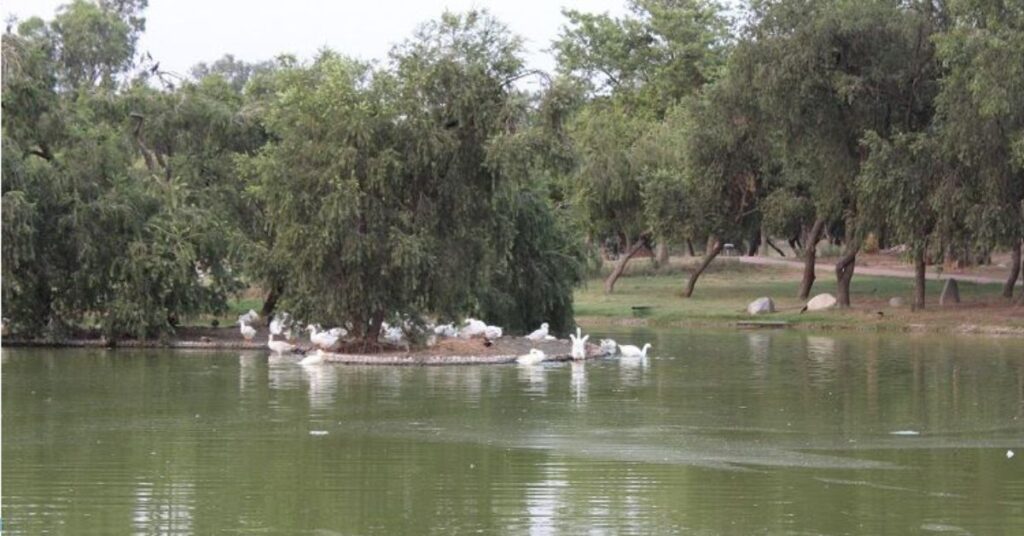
x,y
433,185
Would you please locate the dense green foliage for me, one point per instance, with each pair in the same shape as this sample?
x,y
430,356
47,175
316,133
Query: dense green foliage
x,y
431,186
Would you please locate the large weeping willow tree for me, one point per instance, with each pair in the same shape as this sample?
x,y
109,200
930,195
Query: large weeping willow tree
x,y
92,235
380,195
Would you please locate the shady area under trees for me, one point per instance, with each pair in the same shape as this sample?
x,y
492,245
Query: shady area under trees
x,y
433,186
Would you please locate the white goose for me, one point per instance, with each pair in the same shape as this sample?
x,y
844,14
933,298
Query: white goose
x,y
473,328
279,347
248,332
533,358
446,330
322,339
579,344
249,318
628,350
539,334
493,332
609,347
280,323
393,335
317,358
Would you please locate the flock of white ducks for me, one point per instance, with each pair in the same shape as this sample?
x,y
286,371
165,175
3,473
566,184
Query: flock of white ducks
x,y
325,340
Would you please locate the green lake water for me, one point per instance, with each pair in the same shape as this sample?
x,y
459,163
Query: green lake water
x,y
716,433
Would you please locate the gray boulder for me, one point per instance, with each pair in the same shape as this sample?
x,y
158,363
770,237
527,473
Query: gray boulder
x,y
761,306
821,302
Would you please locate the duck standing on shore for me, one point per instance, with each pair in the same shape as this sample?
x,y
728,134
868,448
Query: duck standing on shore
x,y
248,332
540,333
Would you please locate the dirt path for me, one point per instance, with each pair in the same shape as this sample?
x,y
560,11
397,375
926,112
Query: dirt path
x,y
867,270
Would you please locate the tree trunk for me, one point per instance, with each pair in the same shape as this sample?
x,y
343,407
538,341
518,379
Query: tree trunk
x,y
773,246
373,330
712,252
270,303
1014,271
1020,297
755,243
620,266
689,247
919,278
765,243
661,253
794,244
810,257
844,273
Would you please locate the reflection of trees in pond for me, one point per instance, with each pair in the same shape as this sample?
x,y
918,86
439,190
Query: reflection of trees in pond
x,y
760,348
456,381
283,375
823,360
163,508
545,500
871,377
248,370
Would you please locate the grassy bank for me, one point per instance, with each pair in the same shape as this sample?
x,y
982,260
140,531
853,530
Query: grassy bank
x,y
722,295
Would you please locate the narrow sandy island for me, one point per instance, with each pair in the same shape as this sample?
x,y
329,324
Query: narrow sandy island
x,y
447,351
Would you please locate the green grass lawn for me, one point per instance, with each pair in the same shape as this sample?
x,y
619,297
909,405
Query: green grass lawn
x,y
723,292
725,289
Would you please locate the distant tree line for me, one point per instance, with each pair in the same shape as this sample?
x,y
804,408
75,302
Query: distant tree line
x,y
434,185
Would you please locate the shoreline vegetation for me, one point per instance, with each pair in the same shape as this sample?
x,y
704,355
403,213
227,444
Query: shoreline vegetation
x,y
730,284
727,286
452,178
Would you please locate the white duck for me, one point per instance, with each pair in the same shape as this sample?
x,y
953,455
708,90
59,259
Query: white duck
x,y
473,328
609,347
446,330
248,332
392,334
249,318
533,358
540,334
493,332
628,350
317,358
579,344
279,347
321,339
280,323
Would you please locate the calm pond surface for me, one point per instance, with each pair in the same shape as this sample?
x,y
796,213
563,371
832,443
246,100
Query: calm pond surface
x,y
716,433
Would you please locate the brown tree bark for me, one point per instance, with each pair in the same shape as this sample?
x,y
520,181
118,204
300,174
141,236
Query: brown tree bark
x,y
772,245
1014,271
712,252
373,330
919,278
620,266
689,247
661,253
844,273
754,245
810,257
270,303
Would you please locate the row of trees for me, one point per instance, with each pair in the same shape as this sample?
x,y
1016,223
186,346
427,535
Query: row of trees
x,y
432,184
902,119
349,192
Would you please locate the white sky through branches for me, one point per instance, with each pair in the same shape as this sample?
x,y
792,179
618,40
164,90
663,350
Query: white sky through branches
x,y
181,33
